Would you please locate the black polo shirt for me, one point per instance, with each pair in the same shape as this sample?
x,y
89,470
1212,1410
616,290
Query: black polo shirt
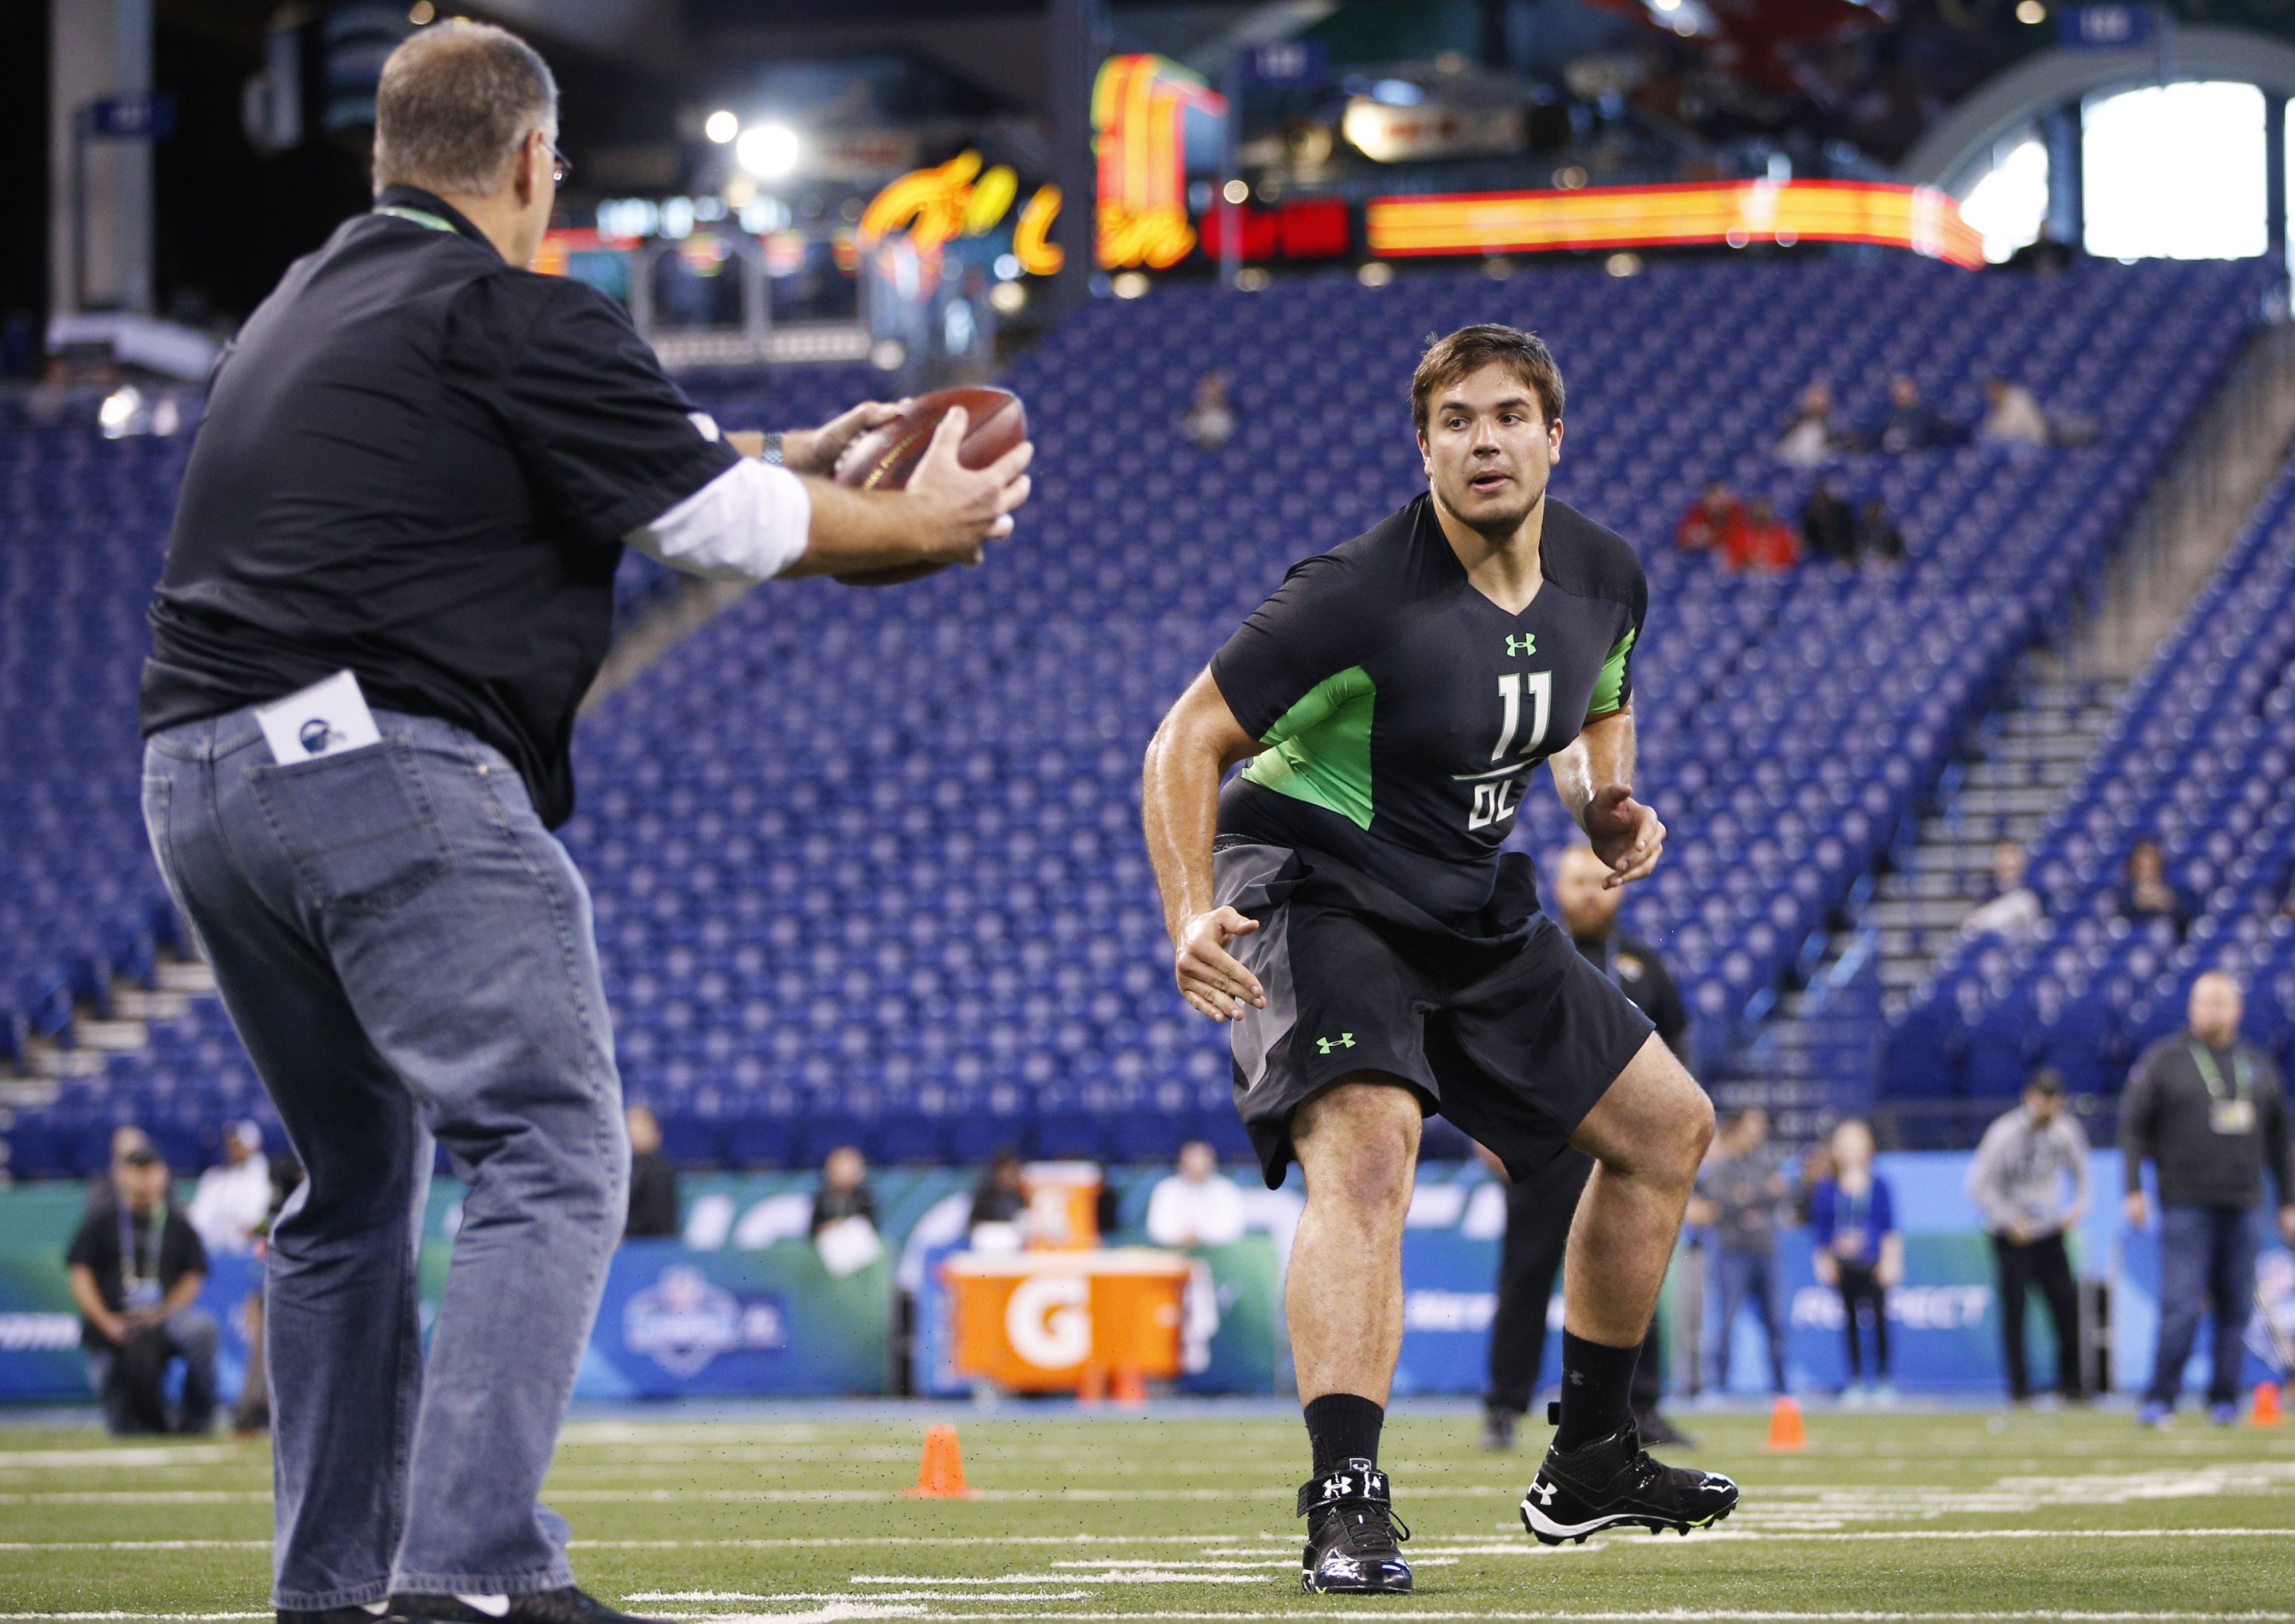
x,y
416,462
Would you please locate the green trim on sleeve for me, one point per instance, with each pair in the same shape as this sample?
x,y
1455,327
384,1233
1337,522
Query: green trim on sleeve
x,y
1318,751
1610,687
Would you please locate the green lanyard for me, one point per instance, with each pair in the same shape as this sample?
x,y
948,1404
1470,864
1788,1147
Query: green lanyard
x,y
420,216
2243,1085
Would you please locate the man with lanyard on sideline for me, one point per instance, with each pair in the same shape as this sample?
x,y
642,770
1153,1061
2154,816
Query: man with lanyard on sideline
x,y
137,1268
2211,1113
2017,1180
1539,1210
389,585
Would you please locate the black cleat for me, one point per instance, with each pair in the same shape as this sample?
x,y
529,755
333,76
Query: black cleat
x,y
567,1606
1613,1483
1352,1535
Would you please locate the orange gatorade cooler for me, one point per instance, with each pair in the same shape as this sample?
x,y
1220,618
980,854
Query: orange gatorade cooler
x,y
1049,1321
1063,1203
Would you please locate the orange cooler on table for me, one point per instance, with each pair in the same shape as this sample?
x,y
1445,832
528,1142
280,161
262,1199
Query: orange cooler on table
x,y
1046,1321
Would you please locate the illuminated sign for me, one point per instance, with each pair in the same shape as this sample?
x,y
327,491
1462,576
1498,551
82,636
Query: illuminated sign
x,y
960,199
1138,106
1314,228
1736,213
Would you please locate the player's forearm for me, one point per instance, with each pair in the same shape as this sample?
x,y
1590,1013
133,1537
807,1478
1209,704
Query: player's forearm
x,y
1601,756
854,532
1178,813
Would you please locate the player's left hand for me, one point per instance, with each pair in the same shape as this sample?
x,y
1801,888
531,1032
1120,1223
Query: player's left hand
x,y
815,451
1624,834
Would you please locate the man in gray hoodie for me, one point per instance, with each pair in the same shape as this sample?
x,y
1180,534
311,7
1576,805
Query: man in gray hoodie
x,y
2017,1181
2210,1112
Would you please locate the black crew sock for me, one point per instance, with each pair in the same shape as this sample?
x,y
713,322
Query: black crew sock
x,y
1596,1386
1343,1427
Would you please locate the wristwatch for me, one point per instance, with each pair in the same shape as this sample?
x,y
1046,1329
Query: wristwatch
x,y
771,451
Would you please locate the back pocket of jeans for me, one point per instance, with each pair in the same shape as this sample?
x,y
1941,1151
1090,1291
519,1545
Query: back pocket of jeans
x,y
359,827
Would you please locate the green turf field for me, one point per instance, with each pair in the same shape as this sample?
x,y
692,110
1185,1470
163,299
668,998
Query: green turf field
x,y
1906,1515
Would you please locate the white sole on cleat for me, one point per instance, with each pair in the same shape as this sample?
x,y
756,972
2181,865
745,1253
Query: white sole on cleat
x,y
1546,1531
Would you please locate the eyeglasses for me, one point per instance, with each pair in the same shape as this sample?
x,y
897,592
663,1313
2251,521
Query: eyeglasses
x,y
559,166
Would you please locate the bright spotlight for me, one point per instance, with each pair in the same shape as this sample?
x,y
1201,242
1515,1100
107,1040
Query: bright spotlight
x,y
722,126
2031,12
1236,191
766,150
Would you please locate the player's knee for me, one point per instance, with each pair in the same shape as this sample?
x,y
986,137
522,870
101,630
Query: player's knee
x,y
1362,1148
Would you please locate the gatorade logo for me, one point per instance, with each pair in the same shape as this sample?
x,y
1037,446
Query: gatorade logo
x,y
1048,1320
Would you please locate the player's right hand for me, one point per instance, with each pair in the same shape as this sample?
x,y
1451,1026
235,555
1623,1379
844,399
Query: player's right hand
x,y
1211,978
964,507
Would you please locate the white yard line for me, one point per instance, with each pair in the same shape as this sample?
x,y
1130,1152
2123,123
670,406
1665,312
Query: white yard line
x,y
1671,1615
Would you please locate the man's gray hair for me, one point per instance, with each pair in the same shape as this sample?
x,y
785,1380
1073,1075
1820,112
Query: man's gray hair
x,y
454,101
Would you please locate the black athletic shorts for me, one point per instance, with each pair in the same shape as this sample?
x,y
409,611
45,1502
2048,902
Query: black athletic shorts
x,y
1500,1025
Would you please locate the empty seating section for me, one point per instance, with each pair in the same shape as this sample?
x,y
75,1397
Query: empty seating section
x,y
867,864
2199,761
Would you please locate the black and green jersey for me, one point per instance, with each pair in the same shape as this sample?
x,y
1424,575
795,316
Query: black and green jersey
x,y
1403,711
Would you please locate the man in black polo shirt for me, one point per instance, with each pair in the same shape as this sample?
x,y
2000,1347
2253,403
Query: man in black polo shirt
x,y
388,587
1539,1210
136,1267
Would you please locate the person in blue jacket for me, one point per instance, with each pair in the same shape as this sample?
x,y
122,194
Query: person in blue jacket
x,y
1853,1225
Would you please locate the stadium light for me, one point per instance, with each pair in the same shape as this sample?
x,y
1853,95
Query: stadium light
x,y
722,126
766,151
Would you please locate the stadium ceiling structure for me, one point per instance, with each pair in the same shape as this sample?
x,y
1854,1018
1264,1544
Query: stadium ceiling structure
x,y
1961,143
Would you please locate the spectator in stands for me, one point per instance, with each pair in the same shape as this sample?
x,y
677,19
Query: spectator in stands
x,y
1197,1205
232,1205
1741,1190
2147,894
2017,1180
1810,437
2209,1113
999,1198
1211,420
137,1268
845,1191
2012,416
2012,912
1878,541
653,1181
1828,529
1852,1221
1710,523
1766,543
1912,424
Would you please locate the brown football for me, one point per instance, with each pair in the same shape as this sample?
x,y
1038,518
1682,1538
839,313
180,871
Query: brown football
x,y
883,459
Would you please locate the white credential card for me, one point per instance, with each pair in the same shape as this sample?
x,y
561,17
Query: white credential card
x,y
324,719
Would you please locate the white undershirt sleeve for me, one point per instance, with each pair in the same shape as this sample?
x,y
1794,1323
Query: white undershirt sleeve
x,y
748,524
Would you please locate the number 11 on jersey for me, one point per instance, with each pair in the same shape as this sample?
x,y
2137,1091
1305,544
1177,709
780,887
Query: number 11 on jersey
x,y
1496,800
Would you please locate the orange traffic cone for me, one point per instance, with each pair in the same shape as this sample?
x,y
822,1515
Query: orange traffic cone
x,y
941,1476
2267,1411
1786,1433
1127,1388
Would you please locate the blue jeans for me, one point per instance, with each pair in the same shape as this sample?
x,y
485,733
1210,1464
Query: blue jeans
x,y
2207,1259
1735,1279
407,953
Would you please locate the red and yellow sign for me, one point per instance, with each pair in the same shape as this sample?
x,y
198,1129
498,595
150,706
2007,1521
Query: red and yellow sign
x,y
1138,106
960,199
1738,212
